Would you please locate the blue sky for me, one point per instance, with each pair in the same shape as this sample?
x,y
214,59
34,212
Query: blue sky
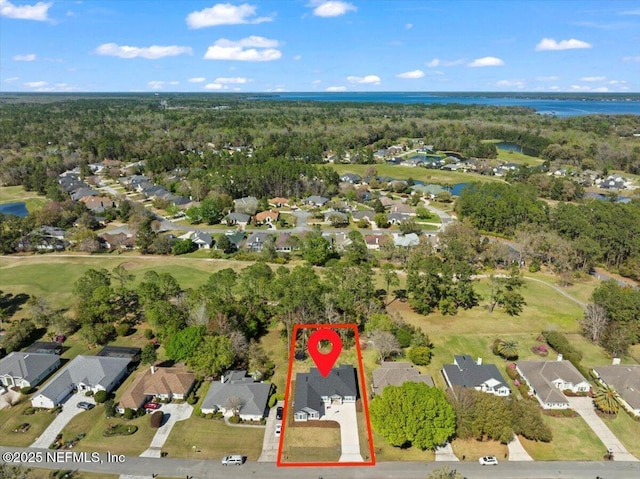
x,y
319,45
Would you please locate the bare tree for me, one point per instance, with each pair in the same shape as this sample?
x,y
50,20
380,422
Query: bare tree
x,y
235,404
594,322
386,344
198,315
239,345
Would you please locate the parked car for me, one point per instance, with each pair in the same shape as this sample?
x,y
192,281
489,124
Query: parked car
x,y
234,460
278,429
279,412
86,405
488,461
152,405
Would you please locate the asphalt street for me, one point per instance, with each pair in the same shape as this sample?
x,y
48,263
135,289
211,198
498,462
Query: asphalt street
x,y
144,466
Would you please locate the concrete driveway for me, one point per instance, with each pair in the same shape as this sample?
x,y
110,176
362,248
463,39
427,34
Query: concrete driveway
x,y
517,452
176,412
270,443
69,410
345,415
584,407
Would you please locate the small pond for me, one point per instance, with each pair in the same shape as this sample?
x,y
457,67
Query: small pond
x,y
17,209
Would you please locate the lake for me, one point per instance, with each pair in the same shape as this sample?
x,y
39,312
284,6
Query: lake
x,y
16,209
507,146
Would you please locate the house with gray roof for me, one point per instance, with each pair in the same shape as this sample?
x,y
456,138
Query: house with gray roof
x,y
202,239
547,380
392,373
406,241
351,178
363,215
625,379
83,193
467,373
397,218
239,219
27,369
255,241
313,392
84,373
247,205
316,200
236,393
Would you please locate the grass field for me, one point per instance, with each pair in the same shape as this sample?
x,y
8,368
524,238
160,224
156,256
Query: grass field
x,y
472,450
11,418
417,173
16,194
627,430
573,440
44,473
311,444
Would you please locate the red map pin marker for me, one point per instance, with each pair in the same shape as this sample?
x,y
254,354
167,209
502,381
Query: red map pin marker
x,y
324,362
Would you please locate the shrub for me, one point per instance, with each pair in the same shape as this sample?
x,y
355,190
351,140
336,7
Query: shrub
x,y
273,400
540,350
101,396
235,419
559,342
123,329
120,430
156,419
404,336
148,333
27,390
420,355
128,413
192,399
88,393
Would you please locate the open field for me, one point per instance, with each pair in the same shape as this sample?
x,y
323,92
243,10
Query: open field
x,y
311,444
573,440
416,173
16,194
11,418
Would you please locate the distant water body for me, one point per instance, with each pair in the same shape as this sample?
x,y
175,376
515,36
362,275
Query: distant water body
x,y
562,105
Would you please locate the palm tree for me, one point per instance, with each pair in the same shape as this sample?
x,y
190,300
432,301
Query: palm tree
x,y
606,399
508,348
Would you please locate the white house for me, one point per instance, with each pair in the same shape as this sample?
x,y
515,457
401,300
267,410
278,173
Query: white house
x,y
27,369
547,380
237,394
625,379
467,373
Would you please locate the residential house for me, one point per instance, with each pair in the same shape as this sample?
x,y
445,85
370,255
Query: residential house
x,y
44,238
98,204
202,240
279,202
406,241
157,383
313,392
403,208
285,243
376,240
625,379
397,218
363,215
236,393
266,217
84,373
351,178
337,216
430,191
255,241
118,240
235,237
547,380
318,201
25,370
396,374
83,192
130,353
239,219
247,205
45,347
467,373
387,202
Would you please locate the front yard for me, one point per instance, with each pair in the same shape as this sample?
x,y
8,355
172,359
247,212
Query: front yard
x,y
12,417
311,444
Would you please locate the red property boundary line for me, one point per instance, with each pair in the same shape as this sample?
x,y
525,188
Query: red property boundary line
x,y
363,397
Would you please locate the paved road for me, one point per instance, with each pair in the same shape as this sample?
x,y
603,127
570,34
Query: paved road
x,y
144,466
70,409
584,407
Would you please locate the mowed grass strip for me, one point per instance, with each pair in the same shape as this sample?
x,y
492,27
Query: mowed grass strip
x,y
311,444
386,453
627,430
472,450
573,440
12,417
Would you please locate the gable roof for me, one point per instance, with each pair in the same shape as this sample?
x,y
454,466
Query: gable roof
x,y
253,396
263,215
312,386
201,237
625,378
238,217
465,372
90,370
27,366
155,382
541,374
396,374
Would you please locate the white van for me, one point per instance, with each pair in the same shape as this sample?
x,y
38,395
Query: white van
x,y
232,460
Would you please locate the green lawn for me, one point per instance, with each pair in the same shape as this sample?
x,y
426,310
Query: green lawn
x,y
11,418
472,450
573,440
417,173
16,194
311,444
627,430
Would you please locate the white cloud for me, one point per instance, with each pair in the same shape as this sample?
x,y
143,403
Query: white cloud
x,y
150,53
369,79
486,62
314,82
409,26
174,82
631,12
214,86
297,58
437,62
617,82
11,79
411,75
36,12
511,83
549,44
155,84
602,89
250,49
196,80
591,79
236,80
548,78
631,59
35,84
336,88
25,58
331,8
225,14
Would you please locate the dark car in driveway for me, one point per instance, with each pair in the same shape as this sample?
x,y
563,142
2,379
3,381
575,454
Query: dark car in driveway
x,y
279,412
86,405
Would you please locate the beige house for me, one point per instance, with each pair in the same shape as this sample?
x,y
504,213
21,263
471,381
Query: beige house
x,y
157,383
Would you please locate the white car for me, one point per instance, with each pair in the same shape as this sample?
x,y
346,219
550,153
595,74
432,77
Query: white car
x,y
278,429
488,461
